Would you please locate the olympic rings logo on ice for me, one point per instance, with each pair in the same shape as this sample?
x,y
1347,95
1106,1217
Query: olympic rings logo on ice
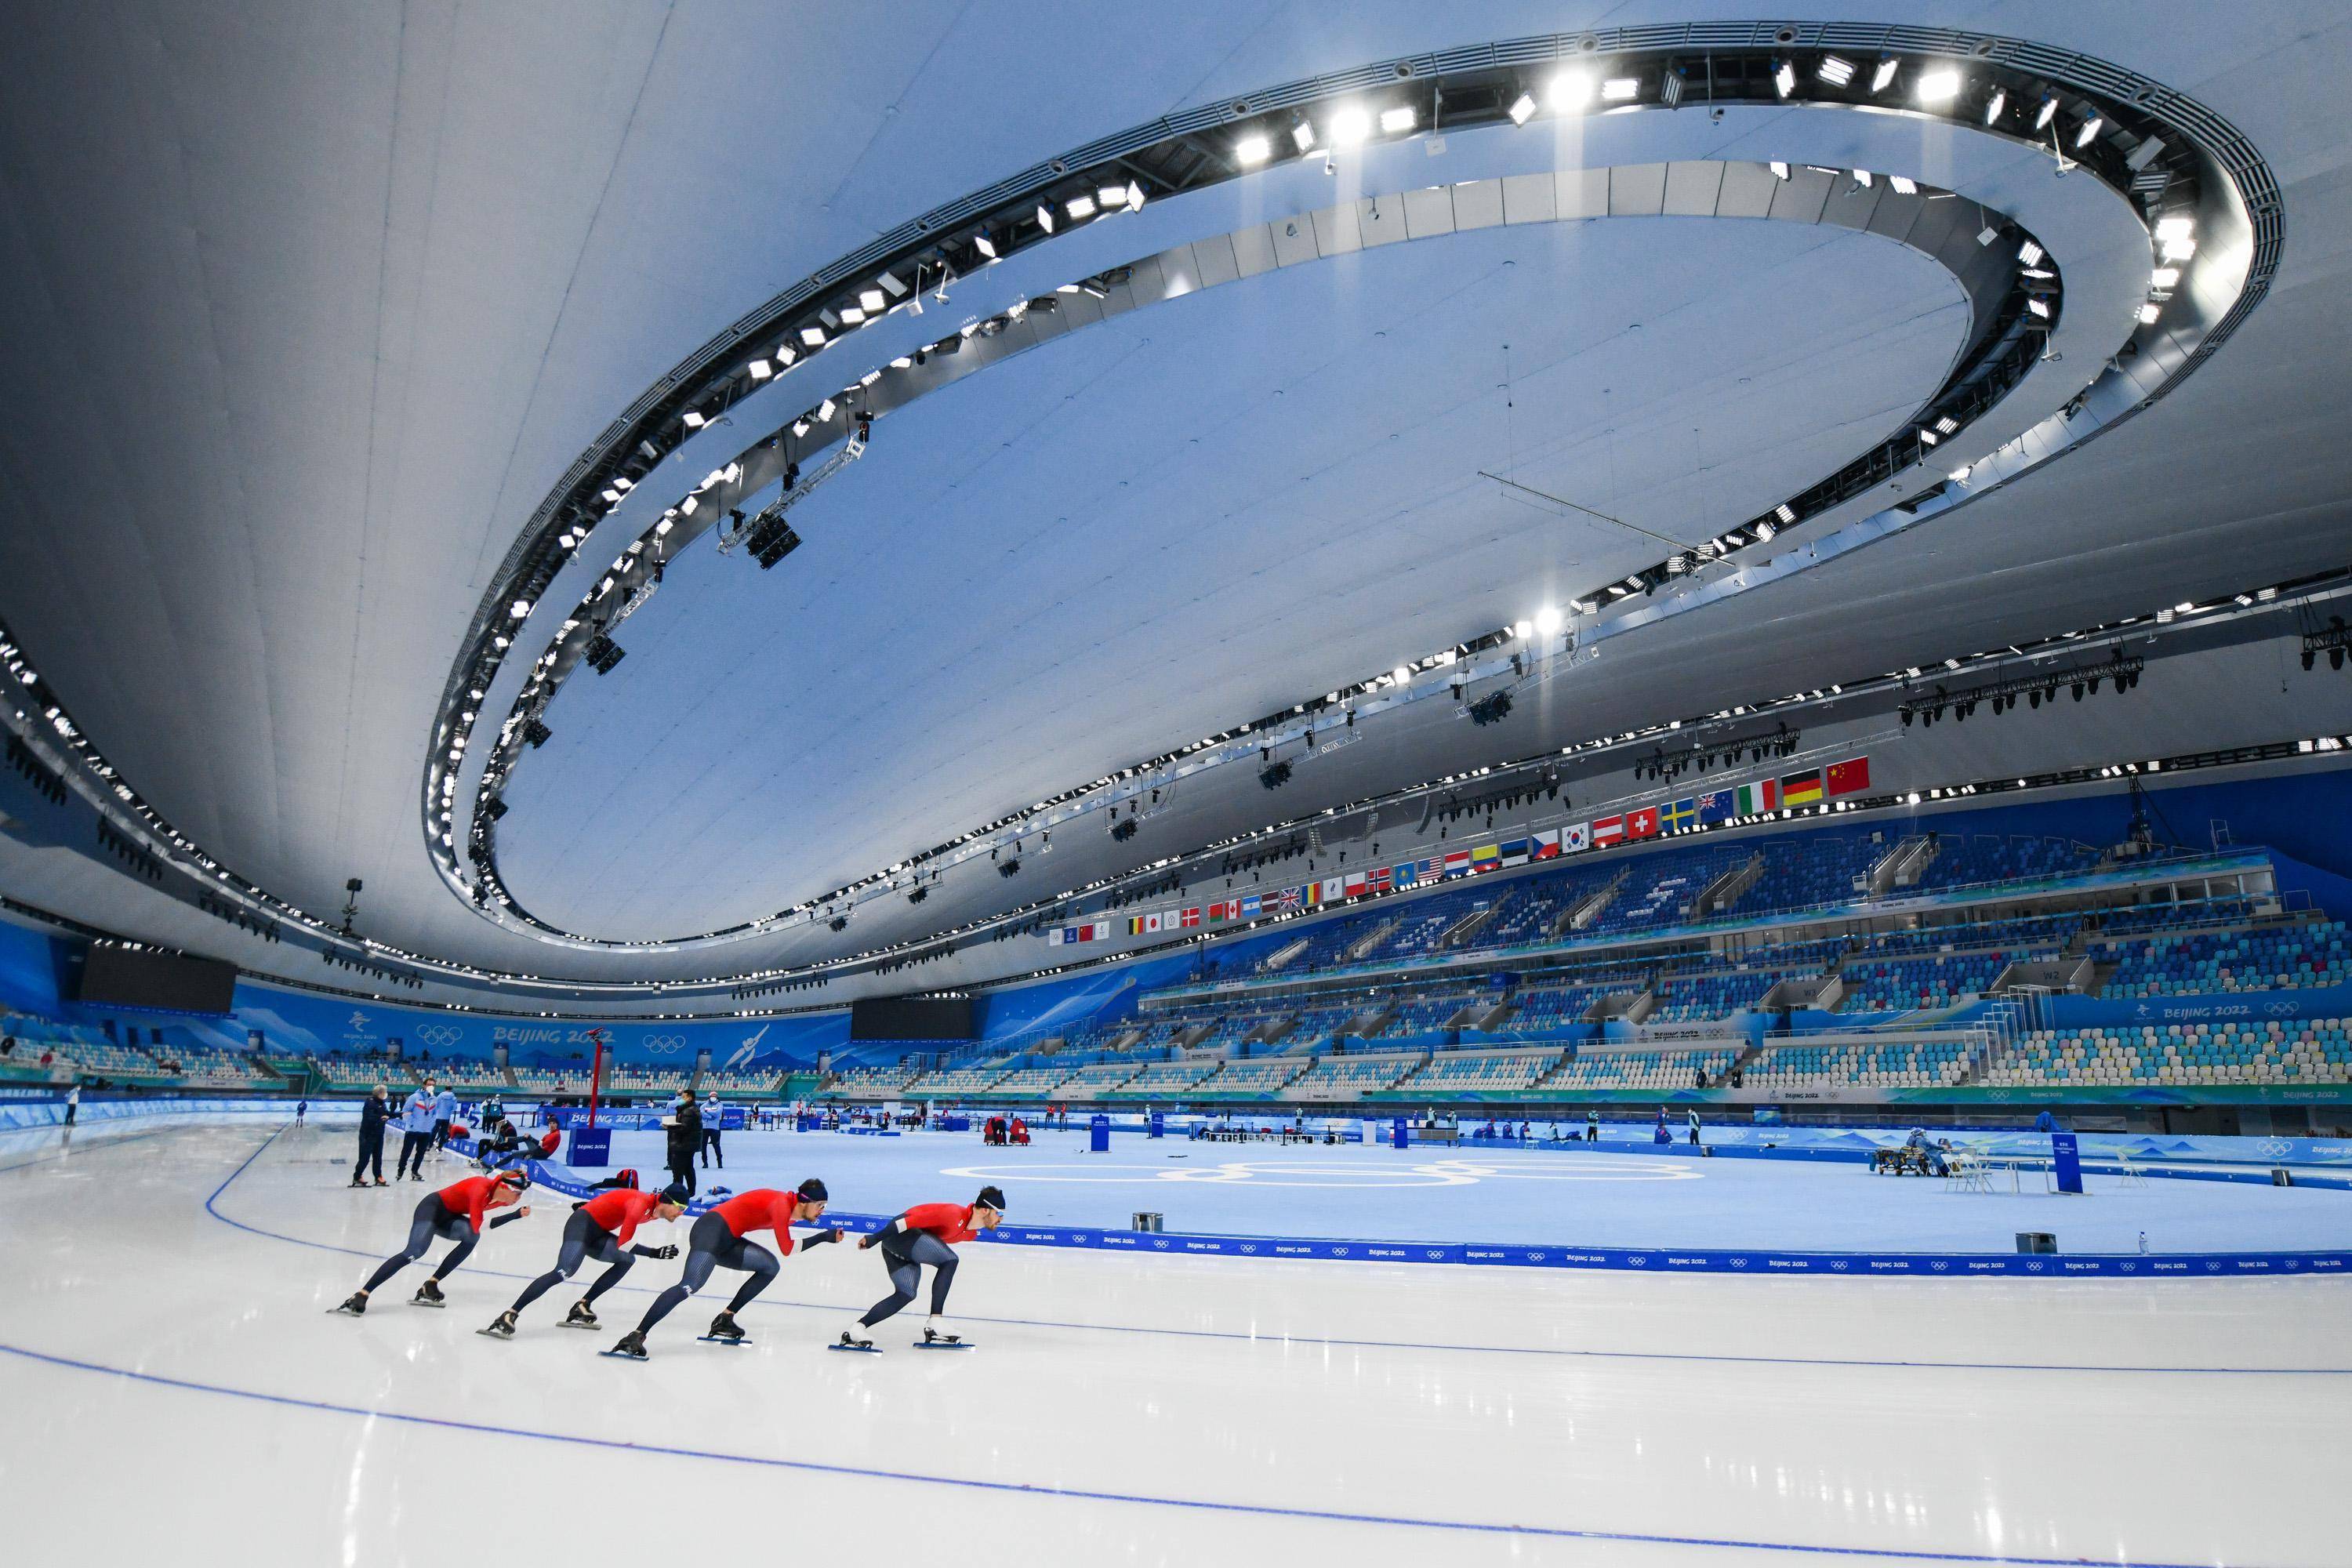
x,y
664,1044
443,1035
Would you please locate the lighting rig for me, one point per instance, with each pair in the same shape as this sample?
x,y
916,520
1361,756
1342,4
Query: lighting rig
x,y
2035,688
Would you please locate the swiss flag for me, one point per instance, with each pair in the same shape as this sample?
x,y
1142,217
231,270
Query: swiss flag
x,y
1849,776
1609,830
1642,824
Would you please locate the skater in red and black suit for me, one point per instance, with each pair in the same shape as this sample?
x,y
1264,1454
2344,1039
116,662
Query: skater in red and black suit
x,y
721,1240
603,1228
455,1214
925,1233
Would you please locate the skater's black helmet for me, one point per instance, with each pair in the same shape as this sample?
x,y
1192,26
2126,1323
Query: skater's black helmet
x,y
812,1192
990,1198
676,1195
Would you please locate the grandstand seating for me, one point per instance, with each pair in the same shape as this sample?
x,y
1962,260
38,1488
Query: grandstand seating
x,y
1346,1076
1479,1072
1819,868
1690,997
1907,1064
1092,1082
1899,983
2261,959
1169,1079
1641,1070
953,1081
1250,1076
1961,861
2280,1051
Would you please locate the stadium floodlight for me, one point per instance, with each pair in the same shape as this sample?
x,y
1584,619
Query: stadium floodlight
x,y
1784,78
1947,424
1046,218
1350,126
1523,109
1080,208
1621,89
852,316
1780,170
2164,277
1401,674
1252,150
1836,70
2029,255
1785,512
1398,121
1111,197
812,336
2180,249
1884,74
1995,104
1549,621
1303,133
2174,226
2039,308
1863,179
1522,630
1134,196
871,301
1570,91
2148,312
2045,114
984,245
1905,185
2089,132
1938,87
761,369
519,608
824,411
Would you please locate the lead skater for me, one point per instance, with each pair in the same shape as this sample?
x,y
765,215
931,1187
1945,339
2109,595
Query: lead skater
x,y
719,1239
455,1214
601,1228
925,1233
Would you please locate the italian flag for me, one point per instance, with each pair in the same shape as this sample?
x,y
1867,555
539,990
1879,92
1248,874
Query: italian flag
x,y
1755,799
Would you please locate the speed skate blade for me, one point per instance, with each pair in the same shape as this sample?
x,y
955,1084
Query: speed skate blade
x,y
493,1334
720,1339
591,1327
622,1355
943,1344
861,1350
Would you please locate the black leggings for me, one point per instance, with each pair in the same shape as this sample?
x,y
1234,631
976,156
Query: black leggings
x,y
710,1245
583,1238
434,1218
413,1147
906,1265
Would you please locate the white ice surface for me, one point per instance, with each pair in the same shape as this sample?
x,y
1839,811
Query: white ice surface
x,y
173,1389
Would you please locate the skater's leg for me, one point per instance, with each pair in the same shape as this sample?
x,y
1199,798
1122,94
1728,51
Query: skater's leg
x,y
461,1232
709,1238
760,1266
574,1253
905,1275
617,1262
931,1250
420,1237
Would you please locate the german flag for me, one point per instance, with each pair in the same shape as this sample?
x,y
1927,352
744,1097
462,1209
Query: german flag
x,y
1849,777
1801,789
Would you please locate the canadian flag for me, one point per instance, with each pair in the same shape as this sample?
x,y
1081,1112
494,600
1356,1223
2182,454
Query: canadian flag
x,y
1609,830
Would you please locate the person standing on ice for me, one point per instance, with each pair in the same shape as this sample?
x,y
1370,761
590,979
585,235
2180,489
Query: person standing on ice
x,y
456,1213
374,1111
444,1111
721,1238
415,1133
925,1233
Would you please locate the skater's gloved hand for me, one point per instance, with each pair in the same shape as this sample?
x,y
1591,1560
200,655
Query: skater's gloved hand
x,y
833,1235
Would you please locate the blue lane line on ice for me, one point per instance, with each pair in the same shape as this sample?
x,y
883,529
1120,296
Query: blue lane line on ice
x,y
1064,1494
1569,1353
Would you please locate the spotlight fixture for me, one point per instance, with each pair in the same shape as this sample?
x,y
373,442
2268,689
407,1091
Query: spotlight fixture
x,y
918,895
1491,709
1784,78
603,653
1274,775
1252,150
494,808
1836,70
2089,132
1938,87
1124,831
1570,91
1884,74
1523,109
536,733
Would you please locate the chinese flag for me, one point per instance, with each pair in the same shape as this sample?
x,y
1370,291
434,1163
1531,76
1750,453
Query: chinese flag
x,y
1849,776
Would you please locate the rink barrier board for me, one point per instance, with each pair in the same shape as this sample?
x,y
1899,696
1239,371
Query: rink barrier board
x,y
1652,1259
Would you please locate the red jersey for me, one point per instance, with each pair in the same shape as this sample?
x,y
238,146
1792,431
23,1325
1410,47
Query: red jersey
x,y
762,1208
621,1211
550,1141
950,1223
471,1197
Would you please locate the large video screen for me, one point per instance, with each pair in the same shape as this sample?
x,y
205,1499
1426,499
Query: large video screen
x,y
911,1018
170,983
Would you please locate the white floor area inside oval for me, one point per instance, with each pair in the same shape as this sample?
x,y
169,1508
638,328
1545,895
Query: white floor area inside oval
x,y
175,1386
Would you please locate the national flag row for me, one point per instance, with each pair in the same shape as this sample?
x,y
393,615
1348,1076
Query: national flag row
x,y
1807,788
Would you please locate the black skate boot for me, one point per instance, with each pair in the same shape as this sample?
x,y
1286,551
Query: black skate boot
x,y
355,1304
502,1327
429,1295
631,1344
725,1330
581,1316
850,1342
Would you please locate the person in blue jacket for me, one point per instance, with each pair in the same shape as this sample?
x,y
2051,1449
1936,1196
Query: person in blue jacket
x,y
444,1111
416,1131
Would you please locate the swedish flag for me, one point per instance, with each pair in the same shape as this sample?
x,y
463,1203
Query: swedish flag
x,y
1681,814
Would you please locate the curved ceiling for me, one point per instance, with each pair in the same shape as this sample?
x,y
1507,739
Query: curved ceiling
x,y
310,311
1257,490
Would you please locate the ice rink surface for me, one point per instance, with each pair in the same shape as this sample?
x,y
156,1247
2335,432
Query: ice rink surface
x,y
1566,1196
173,1388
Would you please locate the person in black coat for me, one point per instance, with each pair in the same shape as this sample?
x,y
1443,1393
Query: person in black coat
x,y
373,1110
684,1140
